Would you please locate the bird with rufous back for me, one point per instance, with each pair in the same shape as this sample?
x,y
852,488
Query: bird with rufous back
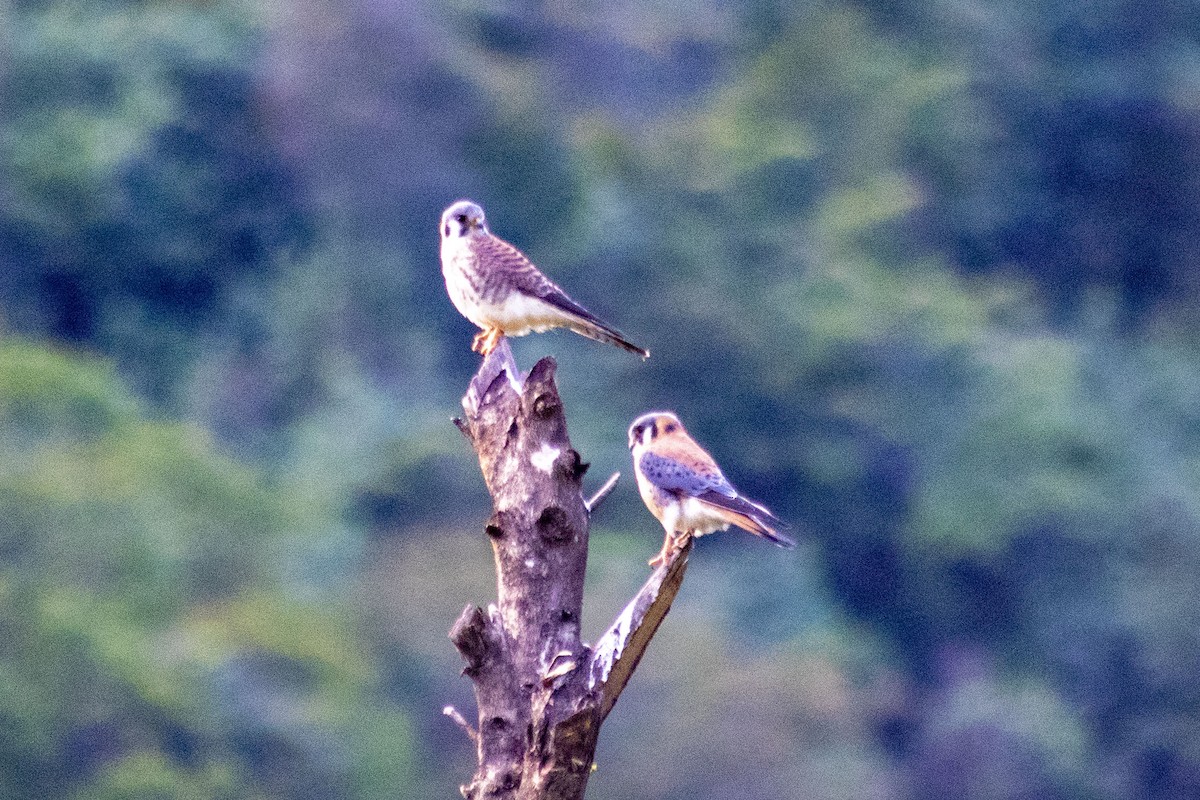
x,y
684,488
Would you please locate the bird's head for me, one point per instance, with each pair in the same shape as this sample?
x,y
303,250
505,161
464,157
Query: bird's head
x,y
462,219
650,426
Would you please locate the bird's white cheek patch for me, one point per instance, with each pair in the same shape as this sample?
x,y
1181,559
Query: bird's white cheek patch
x,y
545,457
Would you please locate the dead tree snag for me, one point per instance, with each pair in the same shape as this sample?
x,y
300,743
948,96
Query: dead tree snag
x,y
542,694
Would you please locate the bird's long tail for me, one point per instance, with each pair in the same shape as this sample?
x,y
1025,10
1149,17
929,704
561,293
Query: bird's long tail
x,y
760,524
602,333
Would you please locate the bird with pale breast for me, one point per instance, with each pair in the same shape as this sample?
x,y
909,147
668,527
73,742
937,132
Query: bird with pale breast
x,y
684,488
495,286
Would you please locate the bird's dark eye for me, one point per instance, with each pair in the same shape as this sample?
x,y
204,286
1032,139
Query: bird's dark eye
x,y
462,218
670,427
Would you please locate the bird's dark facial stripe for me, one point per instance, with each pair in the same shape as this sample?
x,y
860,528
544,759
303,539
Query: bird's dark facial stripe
x,y
465,224
663,425
649,432
649,427
636,435
447,229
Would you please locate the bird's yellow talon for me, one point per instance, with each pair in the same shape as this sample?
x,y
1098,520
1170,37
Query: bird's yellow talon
x,y
486,340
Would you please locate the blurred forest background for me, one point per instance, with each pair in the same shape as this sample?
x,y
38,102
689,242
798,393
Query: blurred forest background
x,y
921,274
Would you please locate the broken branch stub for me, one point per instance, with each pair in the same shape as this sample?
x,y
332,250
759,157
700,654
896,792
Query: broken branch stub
x,y
617,653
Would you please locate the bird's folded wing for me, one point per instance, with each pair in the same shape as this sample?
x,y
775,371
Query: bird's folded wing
x,y
740,505
706,484
516,270
674,475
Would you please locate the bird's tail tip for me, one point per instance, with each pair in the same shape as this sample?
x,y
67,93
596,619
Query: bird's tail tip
x,y
625,344
783,540
611,336
758,520
769,526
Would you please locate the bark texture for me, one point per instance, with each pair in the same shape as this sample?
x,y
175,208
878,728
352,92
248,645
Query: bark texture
x,y
542,694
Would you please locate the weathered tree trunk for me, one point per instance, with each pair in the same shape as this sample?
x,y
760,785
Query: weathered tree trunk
x,y
542,694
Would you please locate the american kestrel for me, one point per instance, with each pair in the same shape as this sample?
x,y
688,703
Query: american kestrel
x,y
495,286
682,485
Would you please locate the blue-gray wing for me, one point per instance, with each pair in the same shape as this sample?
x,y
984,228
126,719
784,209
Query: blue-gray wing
x,y
710,486
509,268
673,476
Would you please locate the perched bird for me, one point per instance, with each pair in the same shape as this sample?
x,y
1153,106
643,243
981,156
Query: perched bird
x,y
682,486
495,286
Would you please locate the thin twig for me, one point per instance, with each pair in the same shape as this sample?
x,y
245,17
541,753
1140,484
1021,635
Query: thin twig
x,y
601,493
461,721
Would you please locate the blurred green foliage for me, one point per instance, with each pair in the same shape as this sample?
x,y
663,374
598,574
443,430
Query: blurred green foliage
x,y
920,275
153,646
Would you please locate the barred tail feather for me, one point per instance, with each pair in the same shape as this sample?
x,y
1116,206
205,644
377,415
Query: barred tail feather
x,y
607,335
750,517
584,322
